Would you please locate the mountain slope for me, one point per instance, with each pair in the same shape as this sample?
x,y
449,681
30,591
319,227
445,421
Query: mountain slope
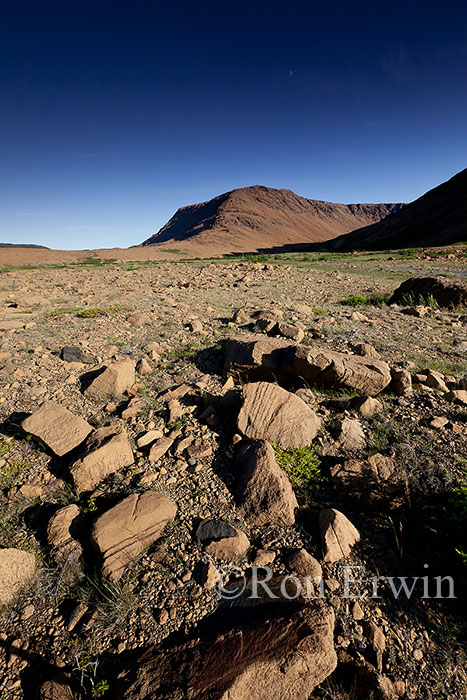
x,y
258,217
438,217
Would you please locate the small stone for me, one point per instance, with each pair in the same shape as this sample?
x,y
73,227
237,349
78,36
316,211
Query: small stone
x,y
138,319
143,367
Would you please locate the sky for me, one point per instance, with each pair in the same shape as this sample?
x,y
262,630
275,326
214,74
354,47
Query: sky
x,y
114,114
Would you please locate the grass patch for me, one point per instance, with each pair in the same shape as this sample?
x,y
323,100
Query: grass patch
x,y
301,464
379,299
96,311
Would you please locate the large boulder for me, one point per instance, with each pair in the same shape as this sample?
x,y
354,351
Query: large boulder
x,y
263,490
420,290
57,427
105,452
253,359
122,533
376,482
272,413
338,535
116,378
17,568
258,653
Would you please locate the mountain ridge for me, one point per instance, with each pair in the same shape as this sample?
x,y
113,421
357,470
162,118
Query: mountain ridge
x,y
258,216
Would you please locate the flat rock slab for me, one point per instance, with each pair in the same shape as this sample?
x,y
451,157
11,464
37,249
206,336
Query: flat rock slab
x,y
16,569
106,451
115,379
122,533
272,413
278,654
338,534
73,353
263,490
11,325
61,531
270,359
58,428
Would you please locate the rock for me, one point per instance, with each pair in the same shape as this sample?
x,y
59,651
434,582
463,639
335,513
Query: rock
x,y
272,413
241,317
143,367
148,438
209,575
17,568
438,422
196,326
366,350
115,379
263,557
263,491
106,451
125,530
11,325
73,353
338,535
443,290
159,448
372,482
377,640
290,330
226,542
351,436
61,534
435,380
367,406
59,688
277,654
457,396
419,311
275,360
401,383
59,429
138,319
303,563
134,407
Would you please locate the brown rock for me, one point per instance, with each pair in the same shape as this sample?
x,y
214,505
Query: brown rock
x,y
61,532
275,360
138,319
272,413
290,330
229,548
125,530
59,429
264,492
338,535
351,436
401,382
116,378
367,406
105,452
17,568
143,367
445,291
268,655
366,350
159,448
457,396
304,564
59,688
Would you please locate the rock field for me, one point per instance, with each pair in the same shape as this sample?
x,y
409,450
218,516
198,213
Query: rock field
x,y
170,426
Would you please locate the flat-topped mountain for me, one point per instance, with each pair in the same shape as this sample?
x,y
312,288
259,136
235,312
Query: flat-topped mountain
x,y
437,218
258,217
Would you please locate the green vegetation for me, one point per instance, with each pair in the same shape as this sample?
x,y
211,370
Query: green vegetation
x,y
301,464
411,299
372,300
95,311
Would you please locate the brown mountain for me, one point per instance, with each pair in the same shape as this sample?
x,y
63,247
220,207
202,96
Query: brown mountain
x,y
437,218
254,218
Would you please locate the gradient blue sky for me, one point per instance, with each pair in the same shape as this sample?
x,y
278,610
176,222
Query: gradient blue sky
x,y
114,114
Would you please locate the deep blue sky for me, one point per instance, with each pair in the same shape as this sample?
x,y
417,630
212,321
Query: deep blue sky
x,y
114,114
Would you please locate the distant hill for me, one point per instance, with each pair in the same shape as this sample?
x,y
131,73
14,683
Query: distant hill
x,y
22,245
437,218
257,217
